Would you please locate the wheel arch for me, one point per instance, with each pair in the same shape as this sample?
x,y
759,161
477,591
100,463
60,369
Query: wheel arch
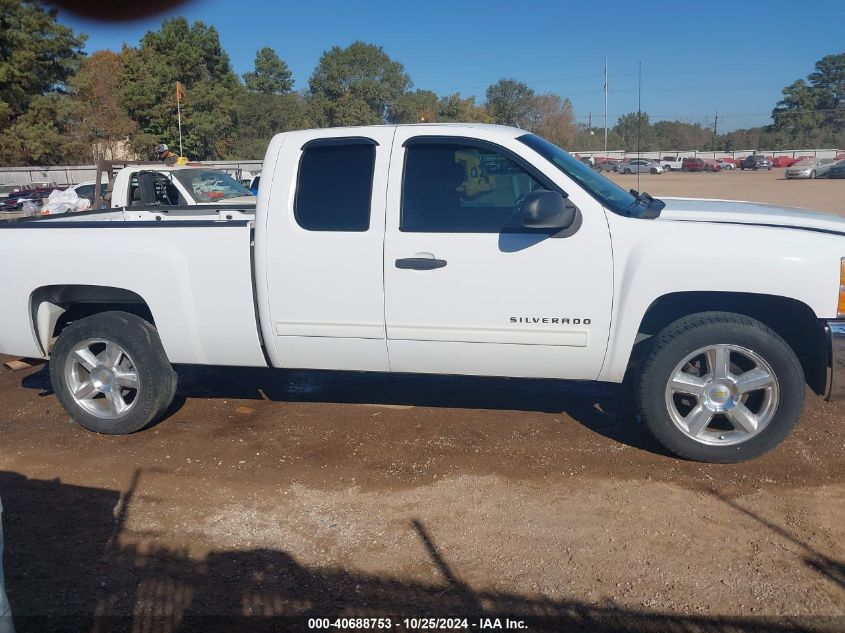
x,y
792,319
52,308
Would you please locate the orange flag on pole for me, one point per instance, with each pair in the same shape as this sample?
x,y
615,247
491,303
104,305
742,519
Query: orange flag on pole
x,y
180,91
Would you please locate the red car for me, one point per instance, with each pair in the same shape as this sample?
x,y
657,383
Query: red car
x,y
783,161
693,164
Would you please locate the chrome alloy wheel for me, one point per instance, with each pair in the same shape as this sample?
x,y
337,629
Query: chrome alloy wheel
x,y
722,395
102,378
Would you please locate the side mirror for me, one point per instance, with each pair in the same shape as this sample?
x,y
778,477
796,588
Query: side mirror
x,y
147,187
547,210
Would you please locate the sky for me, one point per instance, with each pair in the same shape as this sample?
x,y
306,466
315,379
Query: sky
x,y
730,56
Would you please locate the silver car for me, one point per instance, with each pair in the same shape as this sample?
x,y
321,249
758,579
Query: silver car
x,y
810,168
639,165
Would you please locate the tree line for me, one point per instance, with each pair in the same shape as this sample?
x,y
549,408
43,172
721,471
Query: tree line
x,y
61,106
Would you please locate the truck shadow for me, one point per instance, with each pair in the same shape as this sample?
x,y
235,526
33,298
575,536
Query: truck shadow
x,y
825,566
70,567
603,408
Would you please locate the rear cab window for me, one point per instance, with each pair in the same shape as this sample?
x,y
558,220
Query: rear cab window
x,y
334,185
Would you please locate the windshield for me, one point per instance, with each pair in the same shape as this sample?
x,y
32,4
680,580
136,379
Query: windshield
x,y
608,193
210,185
807,162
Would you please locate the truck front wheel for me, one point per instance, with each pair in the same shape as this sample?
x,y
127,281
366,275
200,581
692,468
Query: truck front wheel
x,y
720,387
111,374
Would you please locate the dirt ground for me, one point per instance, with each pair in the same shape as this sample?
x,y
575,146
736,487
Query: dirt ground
x,y
325,494
758,186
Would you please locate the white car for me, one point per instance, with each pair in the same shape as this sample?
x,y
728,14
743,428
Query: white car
x,y
446,249
726,164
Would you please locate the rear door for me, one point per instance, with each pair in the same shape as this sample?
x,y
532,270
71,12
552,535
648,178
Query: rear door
x,y
324,247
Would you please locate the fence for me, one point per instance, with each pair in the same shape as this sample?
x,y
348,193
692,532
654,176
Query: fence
x,y
738,154
75,174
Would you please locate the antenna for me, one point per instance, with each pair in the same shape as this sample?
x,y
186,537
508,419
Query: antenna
x,y
639,118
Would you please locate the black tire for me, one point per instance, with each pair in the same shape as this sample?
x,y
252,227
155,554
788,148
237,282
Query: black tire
x,y
141,343
653,170
682,338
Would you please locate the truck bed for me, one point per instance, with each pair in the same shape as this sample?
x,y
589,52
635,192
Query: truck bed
x,y
192,270
193,213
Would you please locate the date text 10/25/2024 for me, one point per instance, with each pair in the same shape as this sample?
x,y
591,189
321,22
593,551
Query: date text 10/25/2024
x,y
420,623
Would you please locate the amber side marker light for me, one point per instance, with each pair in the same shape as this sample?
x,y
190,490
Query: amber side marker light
x,y
840,309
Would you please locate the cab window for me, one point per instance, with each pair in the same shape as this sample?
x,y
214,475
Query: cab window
x,y
462,188
334,186
165,191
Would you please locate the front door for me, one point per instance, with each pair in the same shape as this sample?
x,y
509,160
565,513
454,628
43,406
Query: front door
x,y
468,289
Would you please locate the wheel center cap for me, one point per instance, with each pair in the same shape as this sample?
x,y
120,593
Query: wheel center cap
x,y
719,395
103,378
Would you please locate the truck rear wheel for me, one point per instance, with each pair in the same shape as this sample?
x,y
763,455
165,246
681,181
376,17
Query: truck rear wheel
x,y
111,374
720,387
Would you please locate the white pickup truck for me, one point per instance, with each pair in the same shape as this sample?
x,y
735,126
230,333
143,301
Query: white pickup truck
x,y
175,185
449,249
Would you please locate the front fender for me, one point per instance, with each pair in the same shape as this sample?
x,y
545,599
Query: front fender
x,y
654,258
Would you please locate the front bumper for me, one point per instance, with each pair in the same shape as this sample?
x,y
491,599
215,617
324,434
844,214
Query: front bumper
x,y
835,331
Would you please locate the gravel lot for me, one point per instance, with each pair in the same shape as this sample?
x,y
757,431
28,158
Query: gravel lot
x,y
327,494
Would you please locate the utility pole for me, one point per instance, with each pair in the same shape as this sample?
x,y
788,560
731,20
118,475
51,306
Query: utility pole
x,y
590,131
715,129
605,107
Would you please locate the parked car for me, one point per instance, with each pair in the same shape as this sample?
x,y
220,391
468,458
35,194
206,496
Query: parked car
x,y
691,163
607,164
783,161
712,165
86,189
341,267
42,191
671,163
726,163
15,201
176,185
639,165
755,162
7,190
837,170
810,168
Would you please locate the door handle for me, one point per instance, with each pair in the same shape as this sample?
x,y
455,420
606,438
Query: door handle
x,y
420,263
